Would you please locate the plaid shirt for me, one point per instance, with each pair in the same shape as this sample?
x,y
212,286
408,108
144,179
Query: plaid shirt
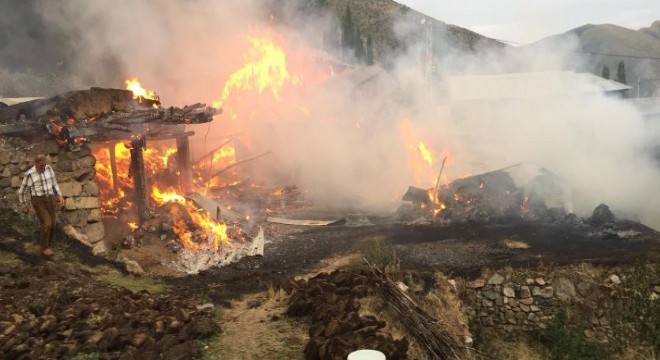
x,y
40,184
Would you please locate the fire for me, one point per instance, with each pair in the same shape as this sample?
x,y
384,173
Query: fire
x,y
214,231
141,93
426,154
167,196
133,225
265,68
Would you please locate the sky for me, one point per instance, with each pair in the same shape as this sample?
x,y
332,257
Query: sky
x,y
526,21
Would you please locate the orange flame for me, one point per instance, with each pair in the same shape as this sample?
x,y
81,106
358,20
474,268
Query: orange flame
x,y
266,68
426,154
139,92
214,230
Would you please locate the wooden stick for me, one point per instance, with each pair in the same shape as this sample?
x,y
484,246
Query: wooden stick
x,y
437,181
198,161
238,163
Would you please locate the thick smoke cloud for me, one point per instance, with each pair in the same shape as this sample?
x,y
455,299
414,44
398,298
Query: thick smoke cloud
x,y
349,142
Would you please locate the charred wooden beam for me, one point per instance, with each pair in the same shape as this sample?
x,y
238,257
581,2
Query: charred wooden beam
x,y
97,114
184,163
141,194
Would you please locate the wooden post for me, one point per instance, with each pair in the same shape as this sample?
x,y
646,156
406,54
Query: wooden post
x,y
113,168
139,178
184,164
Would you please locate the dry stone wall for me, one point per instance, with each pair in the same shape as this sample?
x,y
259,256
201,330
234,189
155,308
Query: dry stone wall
x,y
74,172
513,304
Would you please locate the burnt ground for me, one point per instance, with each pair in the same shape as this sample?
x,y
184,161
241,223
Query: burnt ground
x,y
458,250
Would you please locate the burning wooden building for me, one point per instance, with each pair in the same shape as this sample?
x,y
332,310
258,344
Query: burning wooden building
x,y
96,140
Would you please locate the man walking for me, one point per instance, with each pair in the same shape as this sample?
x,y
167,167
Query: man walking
x,y
44,191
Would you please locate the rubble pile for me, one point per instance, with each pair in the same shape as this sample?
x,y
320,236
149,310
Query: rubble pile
x,y
51,312
332,301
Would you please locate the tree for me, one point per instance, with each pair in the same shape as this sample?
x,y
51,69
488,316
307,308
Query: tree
x,y
606,72
621,73
370,50
347,30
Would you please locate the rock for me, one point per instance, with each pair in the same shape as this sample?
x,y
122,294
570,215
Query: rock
x,y
50,147
66,166
91,188
539,281
496,279
99,248
15,182
110,339
614,279
87,161
589,334
564,288
601,215
509,292
71,188
584,288
5,157
94,338
75,217
527,301
94,216
524,292
94,232
492,295
476,284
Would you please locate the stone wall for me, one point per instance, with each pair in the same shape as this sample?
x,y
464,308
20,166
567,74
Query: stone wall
x,y
74,172
513,304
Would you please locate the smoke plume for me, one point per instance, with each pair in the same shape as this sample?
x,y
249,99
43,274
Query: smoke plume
x,y
351,140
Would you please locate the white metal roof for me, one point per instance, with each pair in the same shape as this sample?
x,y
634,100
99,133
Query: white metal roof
x,y
529,85
14,101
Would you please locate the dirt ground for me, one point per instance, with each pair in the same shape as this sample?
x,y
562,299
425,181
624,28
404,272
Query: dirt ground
x,y
250,307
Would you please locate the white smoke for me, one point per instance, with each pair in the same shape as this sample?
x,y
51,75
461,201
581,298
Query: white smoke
x,y
345,148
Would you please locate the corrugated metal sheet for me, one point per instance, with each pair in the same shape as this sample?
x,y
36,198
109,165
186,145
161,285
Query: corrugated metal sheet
x,y
14,101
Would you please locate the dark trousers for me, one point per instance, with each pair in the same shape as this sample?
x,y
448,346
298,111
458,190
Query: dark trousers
x,y
44,206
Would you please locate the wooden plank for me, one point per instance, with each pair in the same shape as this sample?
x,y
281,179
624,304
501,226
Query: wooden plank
x,y
279,220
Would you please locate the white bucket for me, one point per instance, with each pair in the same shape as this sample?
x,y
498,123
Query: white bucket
x,y
366,355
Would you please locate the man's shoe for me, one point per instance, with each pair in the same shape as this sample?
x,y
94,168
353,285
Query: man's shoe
x,y
47,253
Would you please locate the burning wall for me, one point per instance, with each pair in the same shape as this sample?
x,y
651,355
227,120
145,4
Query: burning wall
x,y
75,174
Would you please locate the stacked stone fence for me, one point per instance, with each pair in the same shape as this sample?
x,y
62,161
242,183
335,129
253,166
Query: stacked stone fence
x,y
75,173
516,304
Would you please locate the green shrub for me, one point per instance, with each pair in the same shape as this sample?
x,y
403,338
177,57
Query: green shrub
x,y
564,341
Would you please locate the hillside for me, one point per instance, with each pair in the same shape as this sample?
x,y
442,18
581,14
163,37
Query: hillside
x,y
395,27
603,44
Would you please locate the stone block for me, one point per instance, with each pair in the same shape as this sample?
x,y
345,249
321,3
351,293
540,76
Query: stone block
x,y
87,161
70,204
6,172
88,202
66,166
91,188
17,157
5,157
76,217
524,292
94,232
509,292
496,279
16,182
50,147
71,188
15,169
5,182
564,288
94,216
